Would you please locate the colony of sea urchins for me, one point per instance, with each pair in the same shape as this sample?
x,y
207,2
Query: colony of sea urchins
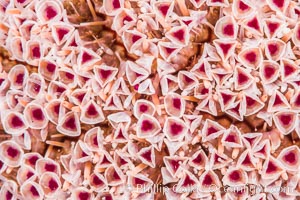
x,y
146,99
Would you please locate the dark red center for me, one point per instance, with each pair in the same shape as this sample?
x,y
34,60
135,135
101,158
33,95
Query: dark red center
x,y
188,181
120,135
143,108
116,175
122,161
273,26
243,6
228,30
288,70
204,91
84,196
226,98
179,35
230,138
164,9
136,87
50,67
279,3
290,157
70,123
207,180
169,50
225,48
250,57
83,154
139,181
61,32
277,101
107,197
147,125
52,184
253,24
56,109
211,130
135,38
8,195
29,174
127,19
1,81
273,49
36,87
32,160
80,97
38,114
20,79
69,75
176,128
187,22
174,164
92,110
188,79
12,152
36,53
105,160
50,12
95,141
34,191
50,167
177,103
271,167
242,78
247,160
234,176
198,159
250,140
116,4
96,180
269,71
285,119
202,68
86,57
16,122
147,156
20,47
73,43
250,102
105,73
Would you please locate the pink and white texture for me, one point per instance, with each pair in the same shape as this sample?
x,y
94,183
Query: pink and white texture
x,y
249,68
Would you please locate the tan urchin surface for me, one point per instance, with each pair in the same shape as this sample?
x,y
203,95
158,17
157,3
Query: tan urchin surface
x,y
125,99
